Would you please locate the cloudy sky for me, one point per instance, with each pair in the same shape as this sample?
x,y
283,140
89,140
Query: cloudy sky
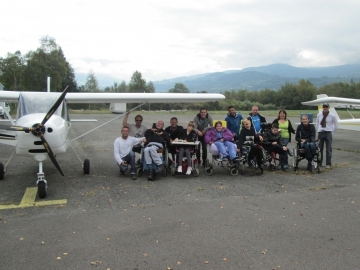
x,y
165,39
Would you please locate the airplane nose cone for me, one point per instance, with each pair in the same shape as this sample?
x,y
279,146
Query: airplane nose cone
x,y
38,129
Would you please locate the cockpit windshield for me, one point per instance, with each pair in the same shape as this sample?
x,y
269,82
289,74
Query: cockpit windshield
x,y
30,102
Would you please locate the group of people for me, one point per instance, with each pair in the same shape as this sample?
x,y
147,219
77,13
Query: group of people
x,y
228,140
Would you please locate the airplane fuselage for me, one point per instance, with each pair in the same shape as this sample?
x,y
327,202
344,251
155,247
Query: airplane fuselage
x,y
56,134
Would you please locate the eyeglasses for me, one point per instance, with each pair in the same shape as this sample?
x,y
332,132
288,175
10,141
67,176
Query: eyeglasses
x,y
137,120
325,106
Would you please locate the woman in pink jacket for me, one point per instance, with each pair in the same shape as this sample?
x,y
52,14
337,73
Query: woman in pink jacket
x,y
222,138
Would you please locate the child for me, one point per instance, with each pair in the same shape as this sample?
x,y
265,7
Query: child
x,y
187,135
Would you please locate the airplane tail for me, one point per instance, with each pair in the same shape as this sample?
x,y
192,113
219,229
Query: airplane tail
x,y
332,109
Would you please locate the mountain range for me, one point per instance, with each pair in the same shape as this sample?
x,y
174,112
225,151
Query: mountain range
x,y
253,78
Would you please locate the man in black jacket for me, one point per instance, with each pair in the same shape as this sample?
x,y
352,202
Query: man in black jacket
x,y
173,131
156,138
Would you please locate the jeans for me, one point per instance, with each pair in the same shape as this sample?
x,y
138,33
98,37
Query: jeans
x,y
327,138
310,149
130,159
222,149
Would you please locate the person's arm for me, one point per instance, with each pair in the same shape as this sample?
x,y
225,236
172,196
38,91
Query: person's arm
x,y
125,123
290,128
227,135
336,124
117,152
312,133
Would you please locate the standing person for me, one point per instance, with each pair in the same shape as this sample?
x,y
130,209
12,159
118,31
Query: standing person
x,y
222,137
203,122
233,122
156,138
187,135
256,118
123,151
305,135
137,130
274,143
173,131
326,124
255,150
286,128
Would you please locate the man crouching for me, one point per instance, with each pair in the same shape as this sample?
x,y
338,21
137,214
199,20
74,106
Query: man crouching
x,y
156,138
123,151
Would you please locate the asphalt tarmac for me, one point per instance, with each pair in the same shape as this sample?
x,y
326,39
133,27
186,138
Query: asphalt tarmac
x,y
278,220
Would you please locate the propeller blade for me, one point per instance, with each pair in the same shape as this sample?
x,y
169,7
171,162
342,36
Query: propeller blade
x,y
15,128
55,106
51,155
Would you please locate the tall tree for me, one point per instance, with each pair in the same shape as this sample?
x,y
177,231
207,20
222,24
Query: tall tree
x,y
179,88
91,84
137,84
150,88
12,71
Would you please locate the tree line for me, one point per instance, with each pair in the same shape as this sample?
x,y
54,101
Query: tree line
x,y
28,72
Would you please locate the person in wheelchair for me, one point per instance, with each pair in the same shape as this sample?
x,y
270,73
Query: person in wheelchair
x,y
222,137
305,136
255,151
186,135
156,138
274,143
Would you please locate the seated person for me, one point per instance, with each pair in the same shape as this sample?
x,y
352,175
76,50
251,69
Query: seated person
x,y
274,143
305,136
255,150
173,131
123,151
222,137
156,137
186,135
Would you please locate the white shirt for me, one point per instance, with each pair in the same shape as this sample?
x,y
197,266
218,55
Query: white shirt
x,y
122,147
331,123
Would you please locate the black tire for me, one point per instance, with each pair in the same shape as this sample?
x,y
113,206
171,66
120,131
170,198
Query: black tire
x,y
2,172
42,189
139,172
317,163
234,171
196,172
209,171
86,166
172,171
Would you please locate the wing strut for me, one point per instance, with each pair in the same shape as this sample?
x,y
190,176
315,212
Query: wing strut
x,y
105,123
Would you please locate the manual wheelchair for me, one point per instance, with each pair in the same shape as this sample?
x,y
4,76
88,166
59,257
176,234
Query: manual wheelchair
x,y
299,154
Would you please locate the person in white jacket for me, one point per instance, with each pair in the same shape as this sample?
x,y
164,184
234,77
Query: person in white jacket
x,y
123,151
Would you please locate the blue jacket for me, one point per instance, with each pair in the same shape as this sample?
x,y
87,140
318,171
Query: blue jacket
x,y
233,123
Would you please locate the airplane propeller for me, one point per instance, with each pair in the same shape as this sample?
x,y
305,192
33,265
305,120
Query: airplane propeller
x,y
38,130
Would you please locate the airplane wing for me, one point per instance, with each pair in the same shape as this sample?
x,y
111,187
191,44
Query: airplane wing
x,y
335,102
13,96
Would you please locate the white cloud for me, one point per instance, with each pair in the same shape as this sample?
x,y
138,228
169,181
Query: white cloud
x,y
164,39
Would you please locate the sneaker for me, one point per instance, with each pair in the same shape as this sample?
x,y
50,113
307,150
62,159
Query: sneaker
x,y
328,166
285,167
188,172
122,172
179,170
133,177
261,168
219,159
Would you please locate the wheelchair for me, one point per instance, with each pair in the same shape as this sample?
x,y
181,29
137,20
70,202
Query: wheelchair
x,y
142,166
244,158
299,154
185,163
225,163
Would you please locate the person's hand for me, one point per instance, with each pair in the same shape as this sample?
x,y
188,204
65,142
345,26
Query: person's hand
x,y
200,133
144,140
274,143
124,163
203,132
260,138
284,148
127,112
160,133
237,150
176,139
184,140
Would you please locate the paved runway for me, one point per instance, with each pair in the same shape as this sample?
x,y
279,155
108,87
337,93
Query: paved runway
x,y
106,221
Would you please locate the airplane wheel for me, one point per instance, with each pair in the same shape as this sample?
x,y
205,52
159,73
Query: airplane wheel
x,y
196,172
42,189
2,171
86,166
234,171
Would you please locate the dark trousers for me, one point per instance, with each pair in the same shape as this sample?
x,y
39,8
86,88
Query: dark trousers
x,y
325,137
256,151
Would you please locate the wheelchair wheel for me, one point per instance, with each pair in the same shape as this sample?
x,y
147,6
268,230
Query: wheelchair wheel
x,y
295,158
234,171
195,172
172,171
139,172
272,167
209,171
316,163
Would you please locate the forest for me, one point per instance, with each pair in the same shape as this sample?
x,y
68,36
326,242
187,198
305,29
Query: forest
x,y
28,72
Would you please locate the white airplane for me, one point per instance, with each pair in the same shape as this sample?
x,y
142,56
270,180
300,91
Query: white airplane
x,y
338,102
43,124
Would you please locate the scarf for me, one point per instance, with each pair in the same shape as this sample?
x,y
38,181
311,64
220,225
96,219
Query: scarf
x,y
323,121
